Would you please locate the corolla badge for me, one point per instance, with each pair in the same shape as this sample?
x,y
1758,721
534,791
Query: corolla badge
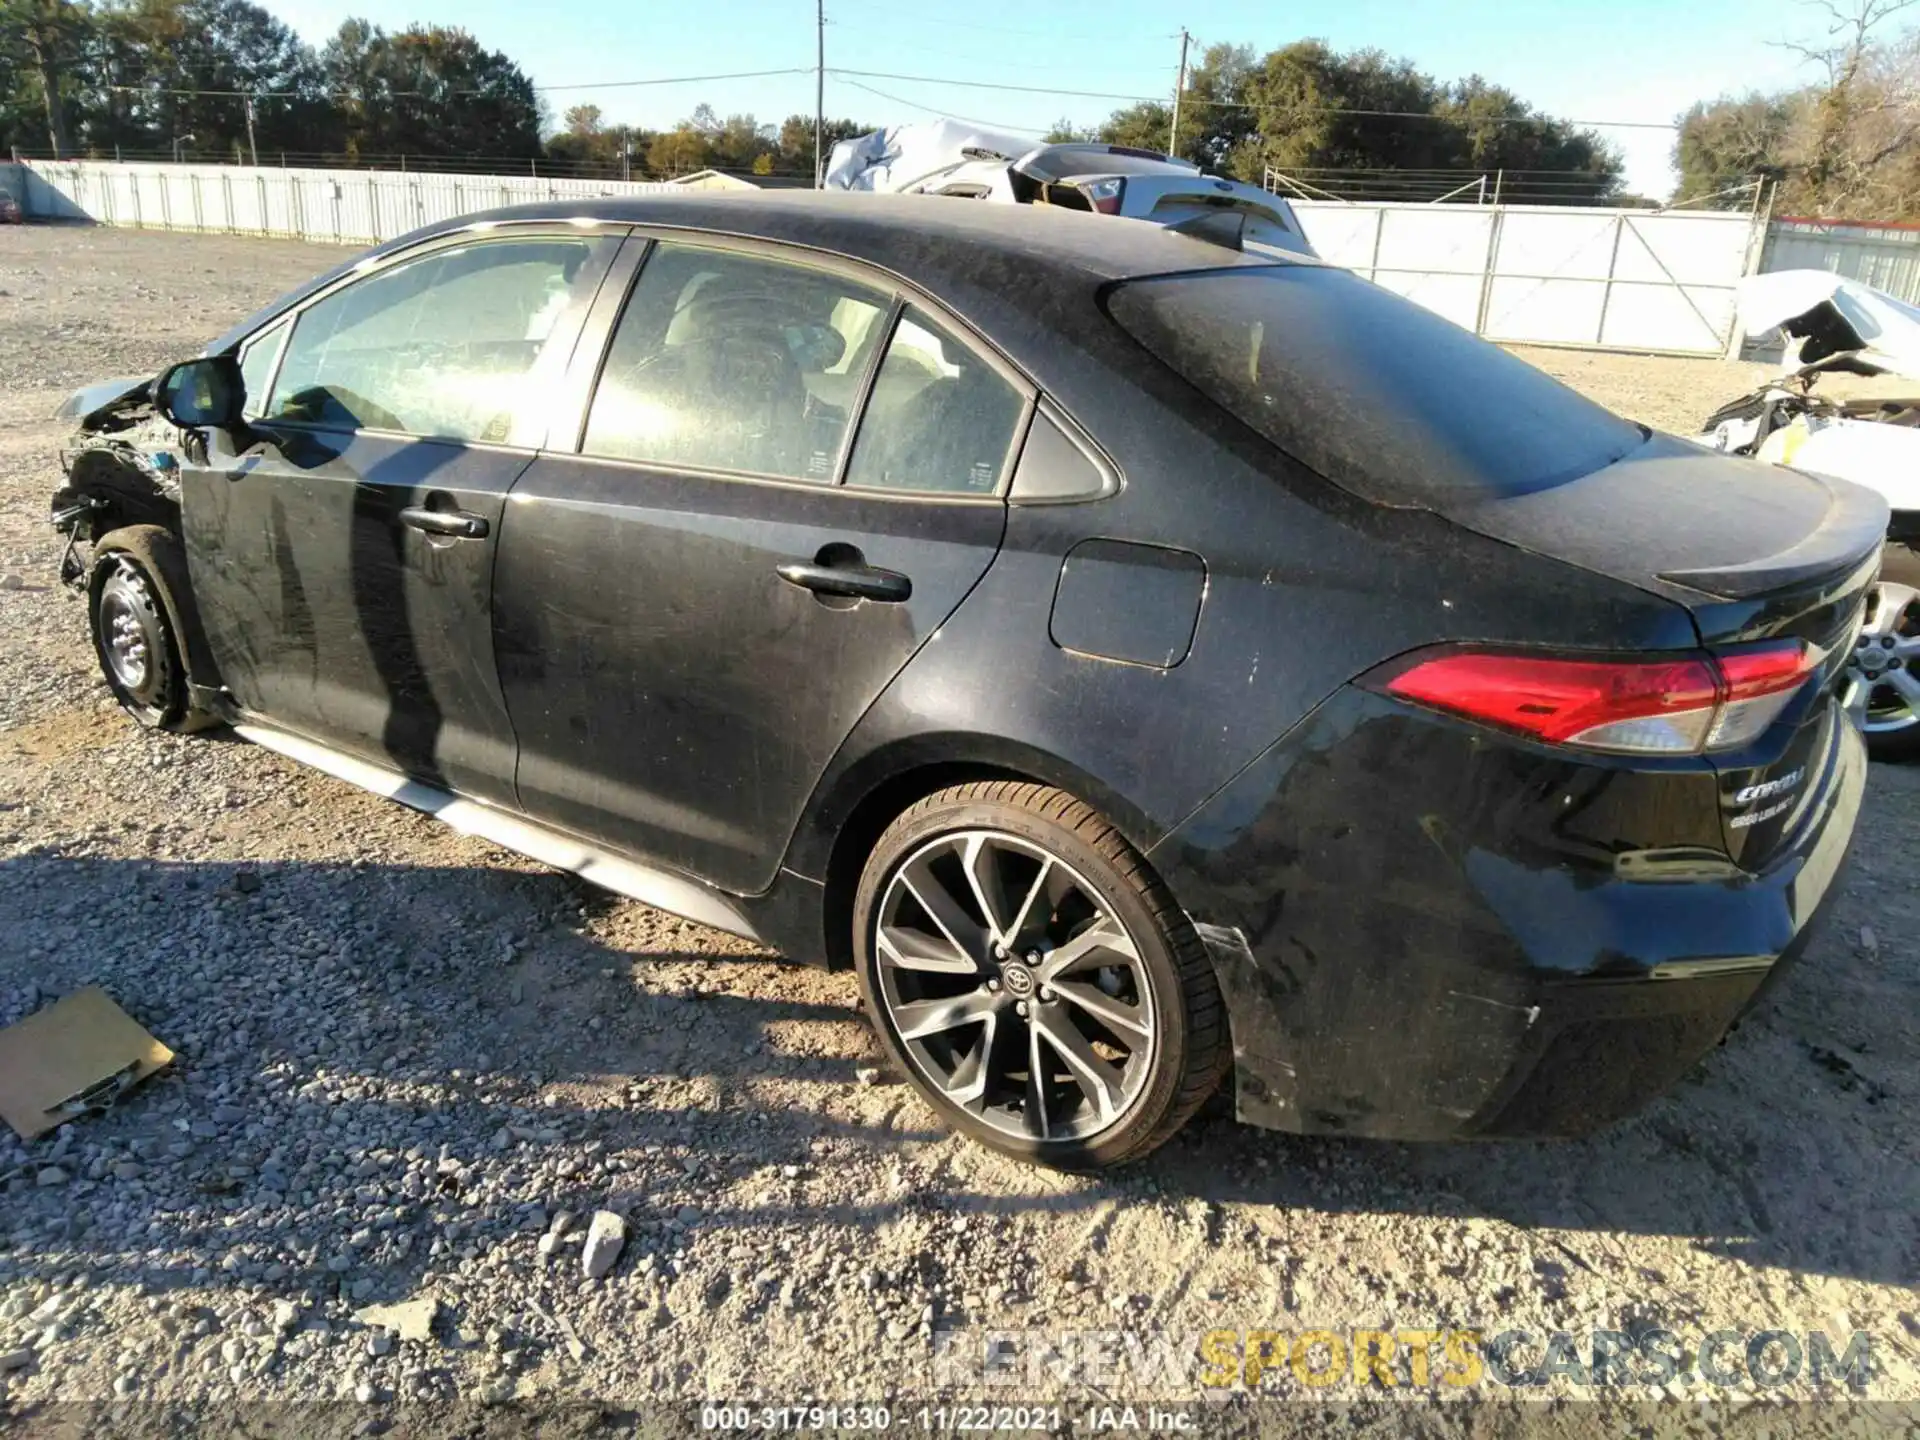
x,y
1765,790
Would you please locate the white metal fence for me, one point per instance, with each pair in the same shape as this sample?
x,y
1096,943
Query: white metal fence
x,y
1886,257
353,207
1552,275
1611,279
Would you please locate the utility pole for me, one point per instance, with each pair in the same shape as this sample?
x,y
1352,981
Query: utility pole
x,y
820,94
1179,87
253,150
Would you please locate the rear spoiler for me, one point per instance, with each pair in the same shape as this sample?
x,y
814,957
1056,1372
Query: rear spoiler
x,y
1848,540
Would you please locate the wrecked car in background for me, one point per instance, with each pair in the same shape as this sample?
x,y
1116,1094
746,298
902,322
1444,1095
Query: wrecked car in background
x,y
1863,426
945,157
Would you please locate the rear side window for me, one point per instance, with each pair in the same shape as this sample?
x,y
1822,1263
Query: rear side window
x,y
939,417
732,362
1380,396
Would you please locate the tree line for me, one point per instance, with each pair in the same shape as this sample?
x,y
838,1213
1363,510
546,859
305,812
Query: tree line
x,y
144,75
227,78
80,77
738,144
1846,145
1305,109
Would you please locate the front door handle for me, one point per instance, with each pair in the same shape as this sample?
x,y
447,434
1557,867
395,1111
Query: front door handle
x,y
858,582
460,524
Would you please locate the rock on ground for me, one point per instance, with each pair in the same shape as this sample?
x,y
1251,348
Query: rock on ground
x,y
606,1234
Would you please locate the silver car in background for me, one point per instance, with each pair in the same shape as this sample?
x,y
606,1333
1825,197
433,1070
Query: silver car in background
x,y
945,157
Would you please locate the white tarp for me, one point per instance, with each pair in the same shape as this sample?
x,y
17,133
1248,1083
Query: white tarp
x,y
902,155
1888,330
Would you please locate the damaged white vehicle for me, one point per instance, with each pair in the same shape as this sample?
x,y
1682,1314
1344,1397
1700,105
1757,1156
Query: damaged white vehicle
x,y
1863,426
945,157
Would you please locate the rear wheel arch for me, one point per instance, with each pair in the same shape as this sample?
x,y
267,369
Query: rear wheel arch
x,y
861,830
852,811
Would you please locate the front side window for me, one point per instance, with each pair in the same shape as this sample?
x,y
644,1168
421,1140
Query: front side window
x,y
440,347
731,362
257,359
940,418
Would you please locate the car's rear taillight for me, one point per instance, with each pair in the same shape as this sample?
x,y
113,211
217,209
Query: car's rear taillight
x,y
1104,195
1650,705
1757,683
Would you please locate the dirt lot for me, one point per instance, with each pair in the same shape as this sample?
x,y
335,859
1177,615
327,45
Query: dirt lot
x,y
405,1052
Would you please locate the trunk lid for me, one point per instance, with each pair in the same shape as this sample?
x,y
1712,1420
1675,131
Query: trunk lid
x,y
1754,553
1717,533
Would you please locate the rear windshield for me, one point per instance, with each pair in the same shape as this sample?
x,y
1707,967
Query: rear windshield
x,y
1379,395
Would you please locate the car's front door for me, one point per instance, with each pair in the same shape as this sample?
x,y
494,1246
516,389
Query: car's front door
x,y
342,552
787,480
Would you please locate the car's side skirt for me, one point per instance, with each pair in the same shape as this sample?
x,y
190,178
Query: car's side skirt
x,y
659,888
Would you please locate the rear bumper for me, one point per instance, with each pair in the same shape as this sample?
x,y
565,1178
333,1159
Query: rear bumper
x,y
1425,933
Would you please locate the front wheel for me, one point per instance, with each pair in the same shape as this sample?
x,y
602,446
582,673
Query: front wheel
x,y
1033,978
134,616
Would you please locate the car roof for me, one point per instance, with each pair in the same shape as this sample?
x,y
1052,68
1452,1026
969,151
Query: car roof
x,y
917,236
1024,254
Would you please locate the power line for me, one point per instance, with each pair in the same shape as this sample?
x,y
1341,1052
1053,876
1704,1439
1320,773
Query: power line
x,y
444,94
851,76
931,110
1245,105
674,80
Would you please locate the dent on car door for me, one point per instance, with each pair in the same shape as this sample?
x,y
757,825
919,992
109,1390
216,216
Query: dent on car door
x,y
342,552
694,611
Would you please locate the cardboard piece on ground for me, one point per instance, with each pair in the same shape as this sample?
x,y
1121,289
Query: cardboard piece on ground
x,y
77,1055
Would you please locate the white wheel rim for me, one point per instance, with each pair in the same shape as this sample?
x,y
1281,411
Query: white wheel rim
x,y
1883,674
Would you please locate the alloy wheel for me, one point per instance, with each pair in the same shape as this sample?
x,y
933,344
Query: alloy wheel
x,y
1014,988
1884,671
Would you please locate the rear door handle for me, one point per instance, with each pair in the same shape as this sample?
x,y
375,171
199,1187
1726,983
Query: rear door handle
x,y
859,582
461,524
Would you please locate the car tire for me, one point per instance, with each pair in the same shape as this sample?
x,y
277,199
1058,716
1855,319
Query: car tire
x,y
1900,566
1085,1040
133,606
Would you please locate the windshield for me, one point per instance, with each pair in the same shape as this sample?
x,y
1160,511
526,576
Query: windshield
x,y
1377,394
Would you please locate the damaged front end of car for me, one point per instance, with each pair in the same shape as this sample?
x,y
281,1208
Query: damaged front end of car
x,y
120,468
1831,327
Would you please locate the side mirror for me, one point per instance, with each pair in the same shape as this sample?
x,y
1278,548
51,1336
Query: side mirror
x,y
199,393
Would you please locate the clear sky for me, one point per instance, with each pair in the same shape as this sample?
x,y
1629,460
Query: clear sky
x,y
1643,60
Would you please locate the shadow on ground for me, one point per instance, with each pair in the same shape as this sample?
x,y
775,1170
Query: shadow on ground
x,y
475,983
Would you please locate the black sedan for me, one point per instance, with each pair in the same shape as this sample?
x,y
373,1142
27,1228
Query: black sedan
x,y
1143,663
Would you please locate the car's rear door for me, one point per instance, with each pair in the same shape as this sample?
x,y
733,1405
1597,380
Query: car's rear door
x,y
342,554
694,608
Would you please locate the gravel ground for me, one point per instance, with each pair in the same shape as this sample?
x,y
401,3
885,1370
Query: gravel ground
x,y
405,1055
